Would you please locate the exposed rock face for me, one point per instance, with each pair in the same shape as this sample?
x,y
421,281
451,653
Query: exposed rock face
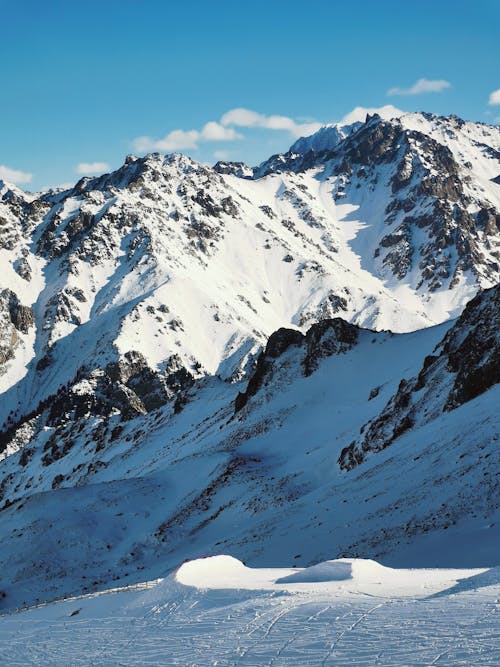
x,y
326,338
429,181
121,391
20,316
239,169
15,319
464,365
277,344
23,268
323,339
14,206
152,388
475,359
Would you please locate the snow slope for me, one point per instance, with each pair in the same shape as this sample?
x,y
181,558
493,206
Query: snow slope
x,y
117,499
216,611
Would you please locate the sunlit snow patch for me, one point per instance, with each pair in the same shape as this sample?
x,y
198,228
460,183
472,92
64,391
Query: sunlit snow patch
x,y
353,576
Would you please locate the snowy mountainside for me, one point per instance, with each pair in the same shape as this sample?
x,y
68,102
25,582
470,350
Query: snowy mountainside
x,y
464,365
19,285
394,227
247,467
185,352
166,257
426,189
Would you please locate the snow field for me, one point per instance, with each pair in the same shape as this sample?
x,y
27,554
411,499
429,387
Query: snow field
x,y
217,612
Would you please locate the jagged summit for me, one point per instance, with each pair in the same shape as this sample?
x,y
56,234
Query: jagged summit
x,y
394,227
450,131
427,185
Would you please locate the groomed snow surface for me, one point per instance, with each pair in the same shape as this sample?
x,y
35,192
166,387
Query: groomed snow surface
x,y
216,611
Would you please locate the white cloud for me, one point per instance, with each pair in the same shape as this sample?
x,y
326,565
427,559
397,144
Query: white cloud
x,y
495,97
177,140
213,131
173,141
241,117
422,86
358,114
247,118
91,167
14,175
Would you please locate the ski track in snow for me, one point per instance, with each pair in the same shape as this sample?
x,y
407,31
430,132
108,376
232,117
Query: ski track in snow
x,y
220,628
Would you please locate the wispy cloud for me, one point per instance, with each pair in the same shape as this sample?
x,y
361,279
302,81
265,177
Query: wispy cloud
x,y
91,167
223,130
247,118
14,175
422,86
495,97
181,139
173,141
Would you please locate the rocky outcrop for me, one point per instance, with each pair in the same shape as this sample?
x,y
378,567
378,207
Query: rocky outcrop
x,y
22,268
328,337
14,206
127,388
239,169
278,343
20,316
15,320
474,359
464,365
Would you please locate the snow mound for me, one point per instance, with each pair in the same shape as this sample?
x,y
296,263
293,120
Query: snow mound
x,y
211,572
358,569
332,570
224,572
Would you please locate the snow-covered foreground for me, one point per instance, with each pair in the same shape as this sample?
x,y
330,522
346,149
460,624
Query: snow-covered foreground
x,y
215,611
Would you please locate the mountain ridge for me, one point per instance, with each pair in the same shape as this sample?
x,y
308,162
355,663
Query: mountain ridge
x,y
217,338
295,210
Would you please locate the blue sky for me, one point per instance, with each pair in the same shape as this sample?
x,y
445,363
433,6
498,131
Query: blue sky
x,y
82,81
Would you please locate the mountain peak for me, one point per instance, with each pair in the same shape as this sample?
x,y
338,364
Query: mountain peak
x,y
137,351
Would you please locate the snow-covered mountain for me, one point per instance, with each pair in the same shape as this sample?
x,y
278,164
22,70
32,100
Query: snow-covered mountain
x,y
188,354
